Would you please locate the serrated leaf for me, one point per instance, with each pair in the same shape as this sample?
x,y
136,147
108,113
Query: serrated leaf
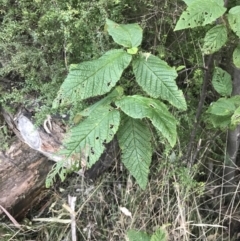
x,y
236,56
140,107
134,235
235,119
220,121
157,78
93,78
160,235
133,50
222,82
234,19
135,142
215,38
200,13
92,134
222,107
111,97
127,35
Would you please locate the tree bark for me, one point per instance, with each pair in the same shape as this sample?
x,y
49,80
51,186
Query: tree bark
x,y
233,141
24,167
22,177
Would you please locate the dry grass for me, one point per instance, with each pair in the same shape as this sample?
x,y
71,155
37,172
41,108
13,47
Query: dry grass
x,y
190,210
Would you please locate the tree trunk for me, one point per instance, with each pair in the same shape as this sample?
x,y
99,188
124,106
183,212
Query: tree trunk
x,y
233,141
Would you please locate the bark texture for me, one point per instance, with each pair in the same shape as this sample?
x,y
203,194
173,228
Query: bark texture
x,y
22,177
233,142
24,167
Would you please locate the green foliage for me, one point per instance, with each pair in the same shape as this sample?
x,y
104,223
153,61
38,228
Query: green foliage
x,y
135,142
236,56
222,82
97,77
158,79
93,78
142,107
215,38
235,118
159,235
200,13
91,134
234,19
127,35
39,40
137,236
224,112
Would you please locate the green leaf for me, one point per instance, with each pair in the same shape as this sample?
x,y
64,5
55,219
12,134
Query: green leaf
x,y
135,142
92,134
236,56
140,107
93,78
189,2
222,82
220,121
180,67
222,107
127,35
234,19
111,97
137,235
133,50
200,13
160,235
158,80
215,38
235,119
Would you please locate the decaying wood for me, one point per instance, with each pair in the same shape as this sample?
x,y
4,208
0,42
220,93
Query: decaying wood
x,y
24,167
22,177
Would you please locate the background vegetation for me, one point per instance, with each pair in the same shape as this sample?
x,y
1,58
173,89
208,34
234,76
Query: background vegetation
x,y
38,42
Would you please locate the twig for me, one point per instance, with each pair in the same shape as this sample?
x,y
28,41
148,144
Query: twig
x,y
199,110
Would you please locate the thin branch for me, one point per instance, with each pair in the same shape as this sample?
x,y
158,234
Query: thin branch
x,y
207,76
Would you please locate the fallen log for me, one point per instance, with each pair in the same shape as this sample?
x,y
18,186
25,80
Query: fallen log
x,y
22,177
24,167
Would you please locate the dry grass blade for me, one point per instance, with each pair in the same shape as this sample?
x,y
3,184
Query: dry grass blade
x,y
13,220
72,202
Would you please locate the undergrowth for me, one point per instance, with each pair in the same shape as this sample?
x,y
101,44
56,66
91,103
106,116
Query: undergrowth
x,y
189,210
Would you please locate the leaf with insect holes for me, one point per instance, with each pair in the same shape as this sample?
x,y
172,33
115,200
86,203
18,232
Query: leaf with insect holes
x,y
157,78
215,38
106,101
139,107
92,134
200,13
236,56
134,140
222,82
127,35
234,19
93,78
